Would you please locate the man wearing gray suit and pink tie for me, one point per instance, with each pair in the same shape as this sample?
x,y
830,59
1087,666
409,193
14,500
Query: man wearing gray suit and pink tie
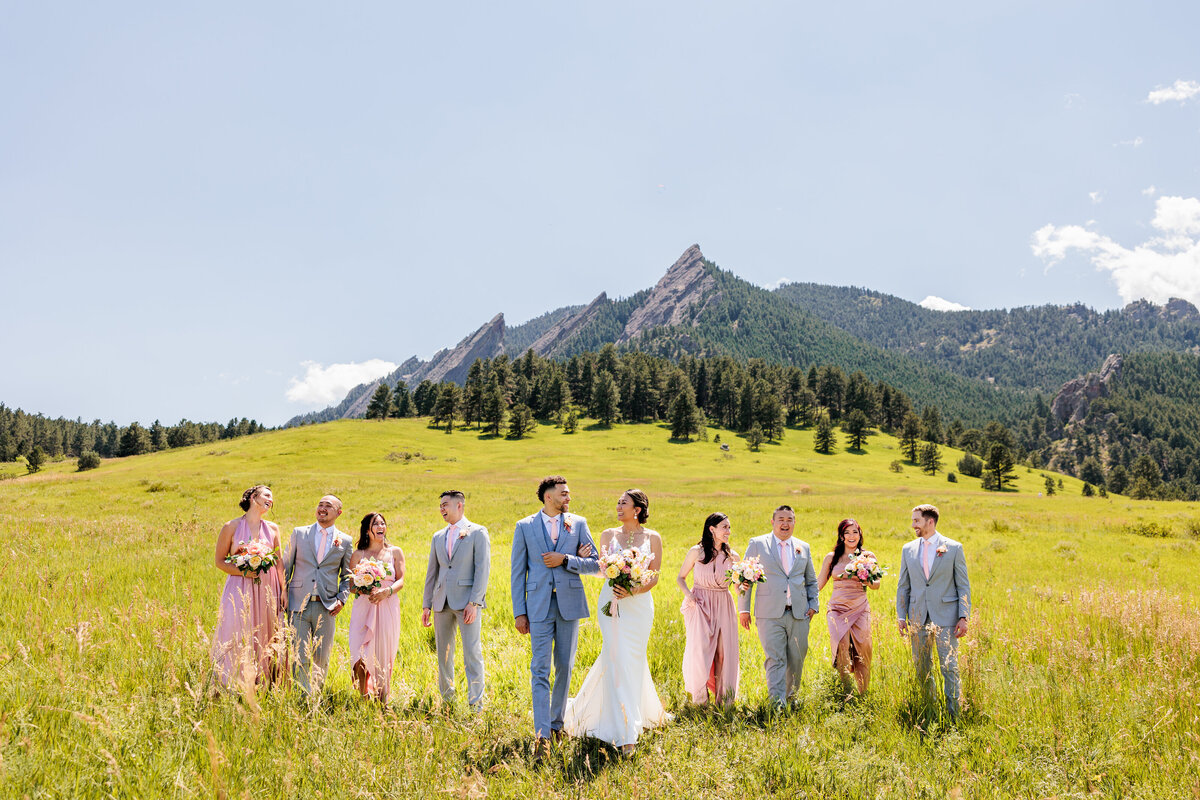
x,y
786,602
456,580
317,565
933,601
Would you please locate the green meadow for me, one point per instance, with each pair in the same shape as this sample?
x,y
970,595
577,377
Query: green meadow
x,y
1081,669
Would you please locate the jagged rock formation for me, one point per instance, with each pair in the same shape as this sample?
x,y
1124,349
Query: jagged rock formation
x,y
670,303
551,343
1072,401
453,364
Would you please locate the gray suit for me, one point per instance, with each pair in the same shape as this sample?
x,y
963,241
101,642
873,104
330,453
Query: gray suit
x,y
314,588
450,583
932,607
782,627
554,601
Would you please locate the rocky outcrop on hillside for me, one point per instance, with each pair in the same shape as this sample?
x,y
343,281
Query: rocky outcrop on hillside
x,y
686,283
550,343
1073,399
1176,309
453,364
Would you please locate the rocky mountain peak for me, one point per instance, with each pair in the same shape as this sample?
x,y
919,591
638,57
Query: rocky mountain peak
x,y
548,343
684,285
1073,399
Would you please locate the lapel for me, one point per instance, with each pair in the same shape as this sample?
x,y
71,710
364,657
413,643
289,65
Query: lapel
x,y
334,535
772,547
933,568
439,545
458,544
563,535
314,540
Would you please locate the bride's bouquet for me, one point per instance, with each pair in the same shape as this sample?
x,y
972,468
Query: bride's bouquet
x,y
748,570
628,569
864,568
367,575
253,558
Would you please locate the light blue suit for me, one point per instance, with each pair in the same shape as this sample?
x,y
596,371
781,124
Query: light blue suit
x,y
553,600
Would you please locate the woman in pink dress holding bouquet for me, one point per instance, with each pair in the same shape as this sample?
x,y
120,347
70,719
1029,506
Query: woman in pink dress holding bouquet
x,y
249,645
375,618
849,613
710,656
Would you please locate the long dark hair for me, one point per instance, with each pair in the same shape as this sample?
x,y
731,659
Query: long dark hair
x,y
839,549
708,541
364,529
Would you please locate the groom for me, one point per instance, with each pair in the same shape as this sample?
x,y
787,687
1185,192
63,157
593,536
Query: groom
x,y
548,598
933,601
786,601
317,566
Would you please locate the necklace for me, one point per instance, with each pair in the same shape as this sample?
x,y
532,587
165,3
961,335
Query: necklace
x,y
619,533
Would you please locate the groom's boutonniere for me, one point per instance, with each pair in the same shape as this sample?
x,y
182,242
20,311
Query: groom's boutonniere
x,y
337,541
462,534
941,551
566,523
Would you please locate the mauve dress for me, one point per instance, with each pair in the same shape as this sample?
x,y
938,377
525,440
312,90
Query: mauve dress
x,y
710,656
248,644
849,614
375,634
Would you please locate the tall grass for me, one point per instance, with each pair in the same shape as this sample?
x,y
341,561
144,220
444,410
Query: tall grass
x,y
1080,670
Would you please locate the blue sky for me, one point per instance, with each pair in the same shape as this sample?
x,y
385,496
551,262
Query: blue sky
x,y
204,207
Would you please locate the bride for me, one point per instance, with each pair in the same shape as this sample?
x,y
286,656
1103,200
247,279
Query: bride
x,y
617,700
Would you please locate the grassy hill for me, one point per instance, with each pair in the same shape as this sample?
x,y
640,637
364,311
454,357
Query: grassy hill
x,y
1080,671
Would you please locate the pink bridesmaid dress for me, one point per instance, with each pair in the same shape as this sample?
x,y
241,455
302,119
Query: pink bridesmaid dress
x,y
710,656
849,619
249,644
375,635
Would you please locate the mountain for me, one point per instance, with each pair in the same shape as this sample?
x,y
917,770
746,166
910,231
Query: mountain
x,y
1031,348
974,365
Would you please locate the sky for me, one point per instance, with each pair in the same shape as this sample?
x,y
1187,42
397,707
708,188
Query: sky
x,y
222,210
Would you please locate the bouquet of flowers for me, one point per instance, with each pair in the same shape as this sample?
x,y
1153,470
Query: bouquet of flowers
x,y
253,558
864,568
367,575
628,569
748,570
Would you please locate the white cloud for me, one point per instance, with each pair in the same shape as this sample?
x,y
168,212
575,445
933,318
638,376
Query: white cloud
x,y
324,386
1158,269
935,303
1150,190
1180,90
1097,197
778,283
1136,141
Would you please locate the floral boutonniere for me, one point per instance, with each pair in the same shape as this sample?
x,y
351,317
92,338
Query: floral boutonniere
x,y
337,542
462,534
566,523
941,551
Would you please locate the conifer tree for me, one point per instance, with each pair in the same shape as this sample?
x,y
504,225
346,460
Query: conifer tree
x,y
605,399
999,470
910,436
493,407
686,419
824,439
855,425
381,402
520,421
931,459
448,405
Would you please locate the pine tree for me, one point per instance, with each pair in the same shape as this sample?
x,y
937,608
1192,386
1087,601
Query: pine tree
x,y
686,420
473,393
856,427
35,459
606,399
381,402
931,459
402,404
135,440
570,421
910,436
931,425
520,421
754,438
999,470
493,406
448,405
768,410
424,396
158,436
824,439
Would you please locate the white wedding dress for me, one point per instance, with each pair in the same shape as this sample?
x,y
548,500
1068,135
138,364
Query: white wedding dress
x,y
618,700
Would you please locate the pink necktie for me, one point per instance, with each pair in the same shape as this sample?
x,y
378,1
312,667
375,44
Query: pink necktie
x,y
324,545
450,540
554,530
926,561
787,568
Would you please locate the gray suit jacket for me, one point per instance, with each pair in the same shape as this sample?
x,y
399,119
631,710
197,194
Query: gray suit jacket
x,y
331,575
943,598
532,582
454,582
772,593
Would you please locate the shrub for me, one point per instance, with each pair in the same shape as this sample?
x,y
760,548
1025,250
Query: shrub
x,y
90,459
970,465
896,466
951,477
1088,491
1152,530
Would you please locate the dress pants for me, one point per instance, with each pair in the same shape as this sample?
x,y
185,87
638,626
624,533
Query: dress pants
x,y
785,643
552,639
313,627
924,641
445,624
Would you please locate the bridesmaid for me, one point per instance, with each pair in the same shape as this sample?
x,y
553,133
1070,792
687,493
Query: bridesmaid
x,y
248,643
849,613
710,656
375,618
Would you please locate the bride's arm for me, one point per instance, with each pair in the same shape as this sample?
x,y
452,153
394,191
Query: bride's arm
x,y
655,563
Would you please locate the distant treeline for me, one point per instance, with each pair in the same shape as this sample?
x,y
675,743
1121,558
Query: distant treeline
x,y
35,437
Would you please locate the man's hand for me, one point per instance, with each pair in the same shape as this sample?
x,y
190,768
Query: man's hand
x,y
903,627
810,614
333,612
960,630
470,613
553,559
522,623
584,551
426,617
744,619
